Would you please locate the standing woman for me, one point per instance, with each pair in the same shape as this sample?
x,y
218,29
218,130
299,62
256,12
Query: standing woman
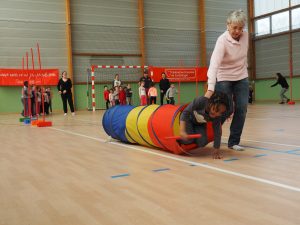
x,y
64,89
284,87
227,73
117,82
164,85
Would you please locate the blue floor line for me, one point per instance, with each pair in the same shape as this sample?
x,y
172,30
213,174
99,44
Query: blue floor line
x,y
160,170
230,160
259,155
120,175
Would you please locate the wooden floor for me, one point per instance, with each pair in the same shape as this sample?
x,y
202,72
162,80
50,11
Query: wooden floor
x,y
71,173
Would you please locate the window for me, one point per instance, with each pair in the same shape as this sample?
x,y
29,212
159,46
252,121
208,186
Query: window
x,y
262,26
280,22
296,18
267,6
295,2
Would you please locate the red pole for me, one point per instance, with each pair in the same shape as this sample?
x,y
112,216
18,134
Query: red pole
x,y
27,60
39,56
291,102
40,65
32,59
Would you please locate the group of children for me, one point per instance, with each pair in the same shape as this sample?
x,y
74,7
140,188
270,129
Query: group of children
x,y
118,95
149,96
36,100
122,95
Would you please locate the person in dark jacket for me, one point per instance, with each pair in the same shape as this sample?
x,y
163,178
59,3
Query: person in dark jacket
x,y
164,85
64,87
197,114
284,87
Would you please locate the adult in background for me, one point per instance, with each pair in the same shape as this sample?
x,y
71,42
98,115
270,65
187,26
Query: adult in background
x,y
227,73
25,99
164,85
147,83
117,82
64,87
284,87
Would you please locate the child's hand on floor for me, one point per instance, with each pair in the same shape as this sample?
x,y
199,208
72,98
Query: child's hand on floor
x,y
216,154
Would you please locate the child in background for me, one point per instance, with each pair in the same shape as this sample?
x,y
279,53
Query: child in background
x,y
170,95
152,93
128,95
197,114
49,93
45,103
25,99
33,104
122,96
38,100
106,96
250,99
111,97
116,95
142,94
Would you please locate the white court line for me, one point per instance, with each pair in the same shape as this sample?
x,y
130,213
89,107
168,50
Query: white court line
x,y
261,180
91,121
266,142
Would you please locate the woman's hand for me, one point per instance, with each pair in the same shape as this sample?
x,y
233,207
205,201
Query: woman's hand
x,y
64,92
208,93
59,92
216,154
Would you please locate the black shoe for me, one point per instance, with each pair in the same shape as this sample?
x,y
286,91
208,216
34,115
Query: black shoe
x,y
281,102
287,100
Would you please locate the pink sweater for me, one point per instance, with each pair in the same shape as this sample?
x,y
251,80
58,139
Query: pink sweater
x,y
229,60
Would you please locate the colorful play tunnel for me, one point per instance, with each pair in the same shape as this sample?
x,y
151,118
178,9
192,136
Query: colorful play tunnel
x,y
151,126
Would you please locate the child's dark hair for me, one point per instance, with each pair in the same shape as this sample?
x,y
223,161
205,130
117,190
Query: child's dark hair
x,y
218,99
279,75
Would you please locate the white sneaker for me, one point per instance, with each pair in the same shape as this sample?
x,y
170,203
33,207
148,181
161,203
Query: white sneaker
x,y
65,114
73,114
237,148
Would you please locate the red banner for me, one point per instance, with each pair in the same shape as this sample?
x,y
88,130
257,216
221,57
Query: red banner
x,y
16,77
179,74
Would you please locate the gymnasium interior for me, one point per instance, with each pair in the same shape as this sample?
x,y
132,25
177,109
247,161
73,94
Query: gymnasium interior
x,y
125,165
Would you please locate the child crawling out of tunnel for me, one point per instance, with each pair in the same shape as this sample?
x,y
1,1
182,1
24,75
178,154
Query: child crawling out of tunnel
x,y
201,114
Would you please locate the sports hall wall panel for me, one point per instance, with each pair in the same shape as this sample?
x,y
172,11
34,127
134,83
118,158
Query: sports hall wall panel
x,y
104,27
172,36
216,12
296,53
24,23
272,56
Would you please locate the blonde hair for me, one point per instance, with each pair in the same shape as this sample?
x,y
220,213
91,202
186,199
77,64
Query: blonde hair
x,y
237,16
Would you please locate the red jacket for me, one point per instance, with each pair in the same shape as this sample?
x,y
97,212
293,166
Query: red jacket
x,y
106,95
122,95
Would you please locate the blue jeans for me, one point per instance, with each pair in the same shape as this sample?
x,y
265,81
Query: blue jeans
x,y
282,94
238,92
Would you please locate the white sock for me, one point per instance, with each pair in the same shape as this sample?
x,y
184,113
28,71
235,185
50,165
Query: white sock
x,y
237,148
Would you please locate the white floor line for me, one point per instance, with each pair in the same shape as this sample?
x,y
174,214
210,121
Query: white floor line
x,y
266,142
91,121
261,180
